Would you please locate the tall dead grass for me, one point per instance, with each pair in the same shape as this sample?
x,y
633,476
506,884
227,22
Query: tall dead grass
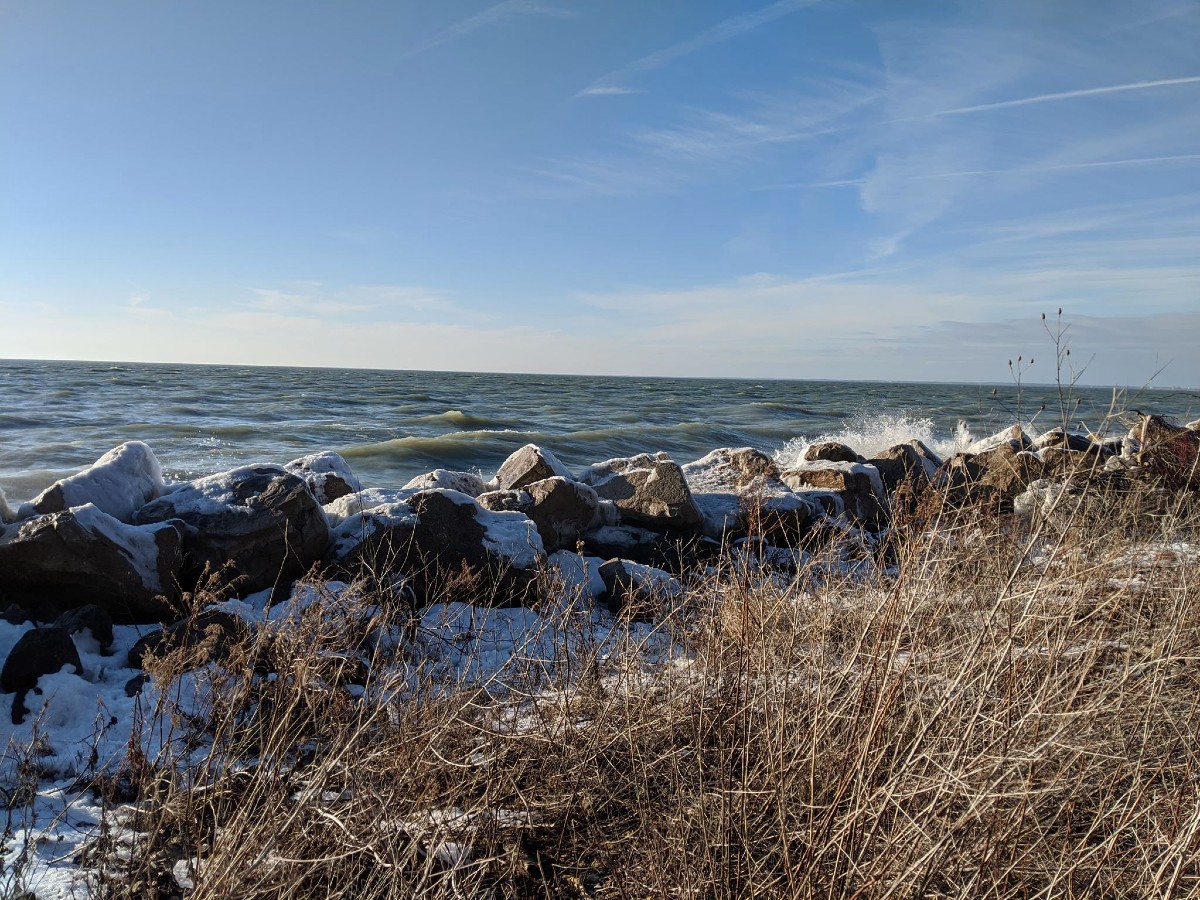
x,y
988,709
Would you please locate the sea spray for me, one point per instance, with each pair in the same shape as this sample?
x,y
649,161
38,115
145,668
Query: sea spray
x,y
870,435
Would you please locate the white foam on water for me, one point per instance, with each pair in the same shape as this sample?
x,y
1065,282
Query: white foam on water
x,y
870,435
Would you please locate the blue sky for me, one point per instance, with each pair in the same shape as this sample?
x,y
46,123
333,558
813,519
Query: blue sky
x,y
892,190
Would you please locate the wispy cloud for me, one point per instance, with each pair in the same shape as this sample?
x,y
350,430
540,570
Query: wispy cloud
x,y
1071,95
727,29
972,173
313,299
494,14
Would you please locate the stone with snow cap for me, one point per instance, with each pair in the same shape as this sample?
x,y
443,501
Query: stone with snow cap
x,y
738,491
650,491
830,451
464,482
859,486
1014,436
529,464
561,509
250,528
83,555
441,536
327,474
119,483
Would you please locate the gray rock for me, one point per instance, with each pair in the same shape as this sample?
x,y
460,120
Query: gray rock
x,y
649,490
639,592
439,539
82,556
912,462
858,486
561,510
529,464
252,528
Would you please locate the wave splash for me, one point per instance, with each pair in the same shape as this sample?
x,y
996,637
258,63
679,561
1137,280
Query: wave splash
x,y
870,435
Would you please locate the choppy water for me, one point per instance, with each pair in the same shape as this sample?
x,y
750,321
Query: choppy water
x,y
56,417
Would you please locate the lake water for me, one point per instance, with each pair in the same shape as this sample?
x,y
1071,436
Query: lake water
x,y
58,417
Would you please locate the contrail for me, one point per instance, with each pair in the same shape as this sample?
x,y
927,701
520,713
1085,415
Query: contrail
x,y
1068,95
1020,170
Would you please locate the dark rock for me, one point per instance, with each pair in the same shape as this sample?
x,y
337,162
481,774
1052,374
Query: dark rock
x,y
438,537
562,510
217,628
1064,440
529,464
639,592
40,651
649,490
15,615
831,451
739,492
134,685
92,617
252,528
83,556
1008,471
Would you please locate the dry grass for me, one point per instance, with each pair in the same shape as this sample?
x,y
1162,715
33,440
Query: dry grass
x,y
1000,710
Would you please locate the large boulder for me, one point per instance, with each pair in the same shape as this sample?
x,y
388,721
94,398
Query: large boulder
x,y
648,490
68,559
529,464
327,475
1014,436
1009,470
859,487
444,540
250,528
912,462
739,492
119,483
562,510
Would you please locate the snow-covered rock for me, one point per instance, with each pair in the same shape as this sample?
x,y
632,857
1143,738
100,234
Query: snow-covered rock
x,y
328,475
464,482
638,591
252,527
435,535
649,490
561,509
119,483
84,555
